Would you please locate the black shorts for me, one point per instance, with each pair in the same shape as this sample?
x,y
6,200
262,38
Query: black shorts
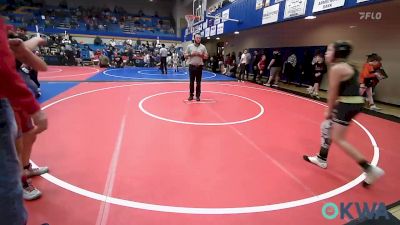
x,y
317,79
371,82
344,112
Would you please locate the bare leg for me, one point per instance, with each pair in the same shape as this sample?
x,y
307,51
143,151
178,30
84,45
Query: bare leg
x,y
369,96
339,137
28,139
19,146
270,78
277,78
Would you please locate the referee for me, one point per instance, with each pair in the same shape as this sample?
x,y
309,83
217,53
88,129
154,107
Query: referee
x,y
163,59
195,53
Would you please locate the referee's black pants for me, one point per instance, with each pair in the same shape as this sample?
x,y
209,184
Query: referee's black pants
x,y
195,73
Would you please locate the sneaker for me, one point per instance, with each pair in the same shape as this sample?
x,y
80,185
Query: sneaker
x,y
30,192
275,85
31,172
316,160
198,99
190,98
267,85
374,107
38,93
372,174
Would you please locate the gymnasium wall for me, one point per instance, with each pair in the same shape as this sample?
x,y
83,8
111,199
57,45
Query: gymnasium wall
x,y
380,36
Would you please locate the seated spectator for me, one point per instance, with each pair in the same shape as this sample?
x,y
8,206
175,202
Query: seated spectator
x,y
104,61
118,62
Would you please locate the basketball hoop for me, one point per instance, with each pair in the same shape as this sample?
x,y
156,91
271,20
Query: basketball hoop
x,y
190,21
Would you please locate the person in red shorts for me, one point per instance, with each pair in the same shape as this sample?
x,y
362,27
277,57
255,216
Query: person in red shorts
x,y
14,92
23,52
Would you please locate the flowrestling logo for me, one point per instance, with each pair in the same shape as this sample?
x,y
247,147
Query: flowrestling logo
x,y
370,15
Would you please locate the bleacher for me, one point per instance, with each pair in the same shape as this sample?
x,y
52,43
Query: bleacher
x,y
89,21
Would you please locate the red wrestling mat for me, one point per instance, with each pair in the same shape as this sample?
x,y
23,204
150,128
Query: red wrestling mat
x,y
68,73
233,158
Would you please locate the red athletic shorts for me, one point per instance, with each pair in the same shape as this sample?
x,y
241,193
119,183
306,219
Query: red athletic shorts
x,y
24,121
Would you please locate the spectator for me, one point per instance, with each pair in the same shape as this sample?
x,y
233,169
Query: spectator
x,y
289,68
371,74
257,58
275,68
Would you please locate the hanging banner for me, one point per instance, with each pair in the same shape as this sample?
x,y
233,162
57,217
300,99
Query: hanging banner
x,y
205,24
207,32
210,22
217,21
220,28
295,8
259,4
267,3
359,1
270,14
225,15
321,5
213,30
198,28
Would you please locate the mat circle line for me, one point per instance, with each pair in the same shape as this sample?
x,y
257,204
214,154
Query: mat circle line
x,y
106,72
140,104
210,211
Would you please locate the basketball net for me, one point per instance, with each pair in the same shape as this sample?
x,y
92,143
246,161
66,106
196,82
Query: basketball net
x,y
190,21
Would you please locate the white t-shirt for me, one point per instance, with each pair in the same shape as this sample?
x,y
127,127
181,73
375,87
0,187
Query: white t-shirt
x,y
163,52
196,60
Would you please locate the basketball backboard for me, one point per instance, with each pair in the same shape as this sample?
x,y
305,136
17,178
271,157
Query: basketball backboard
x,y
199,7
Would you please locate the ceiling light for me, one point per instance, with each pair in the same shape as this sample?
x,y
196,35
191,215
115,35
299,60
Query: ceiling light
x,y
217,38
208,38
236,32
310,17
351,27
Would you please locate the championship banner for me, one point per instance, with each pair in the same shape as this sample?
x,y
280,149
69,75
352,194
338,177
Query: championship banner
x,y
217,21
207,32
295,8
321,5
213,30
259,4
225,15
270,14
205,24
220,28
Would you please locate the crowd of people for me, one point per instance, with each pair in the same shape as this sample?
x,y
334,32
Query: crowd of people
x,y
308,71
88,18
113,53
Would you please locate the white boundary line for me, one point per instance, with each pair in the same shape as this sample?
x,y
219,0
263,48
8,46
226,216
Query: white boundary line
x,y
211,211
144,78
198,123
73,75
55,71
153,74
